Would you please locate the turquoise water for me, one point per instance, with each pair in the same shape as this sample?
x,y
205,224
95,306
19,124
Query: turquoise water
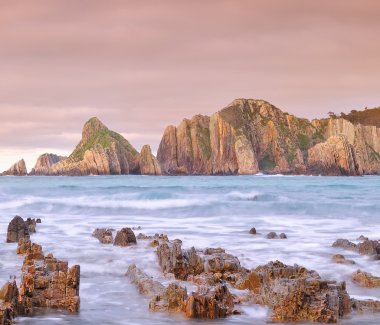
x,y
203,212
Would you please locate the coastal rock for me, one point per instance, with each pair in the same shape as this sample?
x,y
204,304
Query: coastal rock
x,y
365,279
296,294
340,259
272,235
104,235
250,135
182,263
336,156
146,163
283,236
345,244
17,169
253,231
125,237
100,152
45,162
366,247
8,302
145,284
365,306
49,283
31,223
209,303
17,229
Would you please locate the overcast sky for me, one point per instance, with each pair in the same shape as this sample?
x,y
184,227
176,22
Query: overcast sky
x,y
141,65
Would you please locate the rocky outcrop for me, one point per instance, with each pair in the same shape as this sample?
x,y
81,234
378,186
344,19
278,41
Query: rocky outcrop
x,y
249,136
366,247
17,229
125,237
183,263
45,162
208,302
100,152
336,156
365,279
146,163
296,294
104,235
17,169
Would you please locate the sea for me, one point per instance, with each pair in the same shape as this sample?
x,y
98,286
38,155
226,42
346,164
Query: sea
x,y
202,211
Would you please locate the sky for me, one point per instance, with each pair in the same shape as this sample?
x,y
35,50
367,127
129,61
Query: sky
x,y
142,65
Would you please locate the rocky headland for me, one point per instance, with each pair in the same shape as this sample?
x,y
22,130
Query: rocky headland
x,y
246,137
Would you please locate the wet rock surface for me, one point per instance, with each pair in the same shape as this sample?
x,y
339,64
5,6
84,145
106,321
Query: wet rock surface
x,y
366,247
125,237
104,235
296,294
340,259
17,229
365,279
46,282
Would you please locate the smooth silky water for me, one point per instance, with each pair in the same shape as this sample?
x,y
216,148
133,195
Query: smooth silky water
x,y
202,212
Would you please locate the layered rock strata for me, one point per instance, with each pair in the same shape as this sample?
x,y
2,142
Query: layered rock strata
x,y
250,136
17,169
45,162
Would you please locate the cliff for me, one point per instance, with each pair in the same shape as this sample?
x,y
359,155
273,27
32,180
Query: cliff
x,y
17,169
100,152
250,136
146,163
45,162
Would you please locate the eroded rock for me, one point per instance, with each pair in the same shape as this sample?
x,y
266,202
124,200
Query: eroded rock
x,y
340,259
104,235
297,294
17,229
365,279
125,237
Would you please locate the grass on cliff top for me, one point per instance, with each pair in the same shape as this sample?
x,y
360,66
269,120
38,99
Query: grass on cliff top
x,y
366,117
104,138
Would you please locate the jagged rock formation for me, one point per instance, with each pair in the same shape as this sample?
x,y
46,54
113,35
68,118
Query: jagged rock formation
x,y
336,156
146,163
100,152
45,162
249,136
297,294
17,229
17,169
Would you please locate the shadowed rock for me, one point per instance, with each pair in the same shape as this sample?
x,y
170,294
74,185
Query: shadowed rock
x,y
125,237
17,229
17,169
340,259
104,235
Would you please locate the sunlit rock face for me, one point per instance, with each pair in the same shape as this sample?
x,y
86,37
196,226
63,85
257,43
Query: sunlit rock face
x,y
250,136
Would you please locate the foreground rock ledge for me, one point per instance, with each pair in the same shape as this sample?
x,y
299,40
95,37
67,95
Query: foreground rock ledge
x,y
293,293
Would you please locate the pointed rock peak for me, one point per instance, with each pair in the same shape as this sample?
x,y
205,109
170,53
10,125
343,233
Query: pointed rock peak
x,y
17,169
91,127
146,150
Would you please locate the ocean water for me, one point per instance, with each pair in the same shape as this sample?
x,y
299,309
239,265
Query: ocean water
x,y
202,212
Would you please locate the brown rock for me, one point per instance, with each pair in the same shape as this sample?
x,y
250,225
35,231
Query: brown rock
x,y
369,247
365,306
17,229
31,223
365,279
283,236
45,162
17,169
296,294
253,231
209,303
104,235
125,237
340,259
182,263
272,235
147,163
345,244
336,156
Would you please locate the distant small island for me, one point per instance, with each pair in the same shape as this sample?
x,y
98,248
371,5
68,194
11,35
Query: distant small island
x,y
246,137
